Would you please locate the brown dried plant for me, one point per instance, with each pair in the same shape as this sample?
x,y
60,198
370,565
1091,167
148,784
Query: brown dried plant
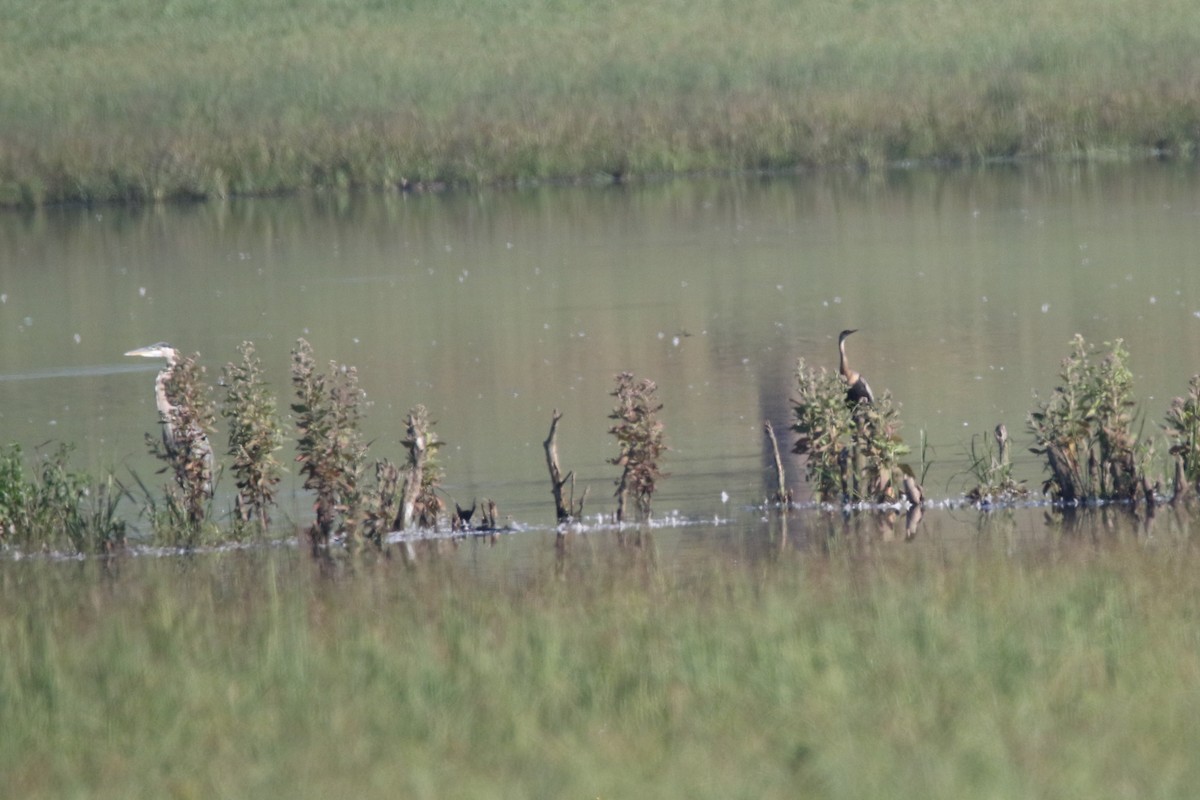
x,y
639,436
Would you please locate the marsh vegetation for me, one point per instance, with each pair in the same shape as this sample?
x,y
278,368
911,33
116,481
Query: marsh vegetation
x,y
123,102
851,447
859,669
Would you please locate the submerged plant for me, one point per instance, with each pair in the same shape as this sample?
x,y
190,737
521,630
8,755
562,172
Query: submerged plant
x,y
1085,429
329,449
255,435
853,450
639,435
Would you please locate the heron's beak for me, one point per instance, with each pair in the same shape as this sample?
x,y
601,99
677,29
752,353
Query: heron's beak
x,y
157,350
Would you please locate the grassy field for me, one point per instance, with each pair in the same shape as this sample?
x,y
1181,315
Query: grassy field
x,y
139,100
869,670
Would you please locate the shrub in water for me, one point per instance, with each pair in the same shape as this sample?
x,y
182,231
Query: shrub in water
x,y
185,448
853,451
993,470
329,449
1085,430
57,507
640,439
1183,430
420,504
255,435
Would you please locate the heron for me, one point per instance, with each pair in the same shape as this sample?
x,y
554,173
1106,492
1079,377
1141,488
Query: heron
x,y
173,438
858,391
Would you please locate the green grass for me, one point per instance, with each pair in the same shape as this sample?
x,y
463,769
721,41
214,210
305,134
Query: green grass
x,y
141,100
869,671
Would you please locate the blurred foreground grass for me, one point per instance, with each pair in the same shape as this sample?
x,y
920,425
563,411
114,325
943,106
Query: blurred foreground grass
x,y
867,670
132,99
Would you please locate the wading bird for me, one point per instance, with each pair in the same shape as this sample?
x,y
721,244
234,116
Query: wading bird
x,y
174,439
858,390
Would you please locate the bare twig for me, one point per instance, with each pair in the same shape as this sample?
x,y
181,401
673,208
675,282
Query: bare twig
x,y
565,509
783,495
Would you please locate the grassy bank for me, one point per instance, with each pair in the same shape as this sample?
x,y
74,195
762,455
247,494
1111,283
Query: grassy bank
x,y
895,671
133,99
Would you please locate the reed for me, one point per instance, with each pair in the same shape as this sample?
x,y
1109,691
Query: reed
x,y
127,102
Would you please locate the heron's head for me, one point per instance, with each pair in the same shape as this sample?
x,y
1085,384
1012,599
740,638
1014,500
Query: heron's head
x,y
160,350
842,336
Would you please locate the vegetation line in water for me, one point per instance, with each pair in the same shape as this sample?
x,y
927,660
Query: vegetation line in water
x,y
1088,431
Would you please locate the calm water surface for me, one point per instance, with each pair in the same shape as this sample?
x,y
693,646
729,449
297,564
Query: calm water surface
x,y
495,308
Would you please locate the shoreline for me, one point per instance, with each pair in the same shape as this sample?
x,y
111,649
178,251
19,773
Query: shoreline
x,y
233,99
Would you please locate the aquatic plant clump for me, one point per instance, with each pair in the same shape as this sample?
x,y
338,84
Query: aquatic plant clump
x,y
255,435
185,446
420,504
56,507
381,506
993,470
639,434
822,426
1183,430
1085,430
329,448
853,451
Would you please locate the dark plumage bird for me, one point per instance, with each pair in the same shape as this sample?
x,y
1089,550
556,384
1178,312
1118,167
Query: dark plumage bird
x,y
858,391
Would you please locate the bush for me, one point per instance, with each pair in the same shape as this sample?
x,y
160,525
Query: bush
x,y
1183,431
640,439
255,435
185,447
56,507
1085,430
853,451
329,449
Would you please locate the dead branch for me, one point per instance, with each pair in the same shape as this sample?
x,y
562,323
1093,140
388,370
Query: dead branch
x,y
564,509
783,495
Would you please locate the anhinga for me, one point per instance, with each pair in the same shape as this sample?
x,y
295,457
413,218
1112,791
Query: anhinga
x,y
167,412
858,391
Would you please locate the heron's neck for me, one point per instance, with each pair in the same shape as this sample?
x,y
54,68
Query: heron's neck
x,y
160,393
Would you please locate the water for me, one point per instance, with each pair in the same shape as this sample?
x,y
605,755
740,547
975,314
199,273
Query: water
x,y
495,308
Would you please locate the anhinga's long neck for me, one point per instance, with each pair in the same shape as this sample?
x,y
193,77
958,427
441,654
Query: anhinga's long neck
x,y
850,375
